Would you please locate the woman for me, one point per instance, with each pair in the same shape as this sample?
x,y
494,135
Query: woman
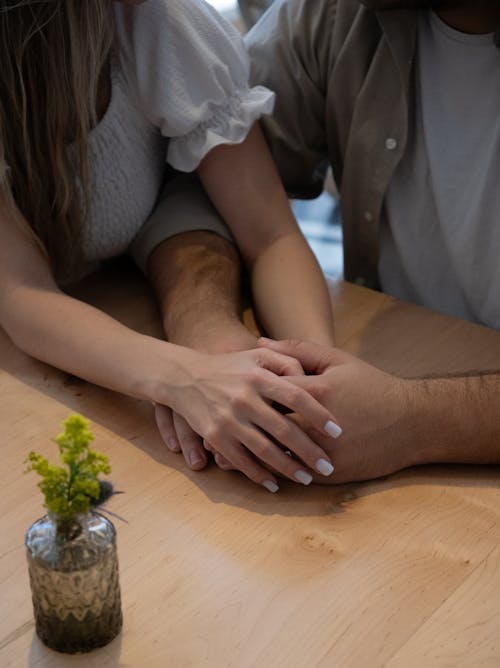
x,y
93,95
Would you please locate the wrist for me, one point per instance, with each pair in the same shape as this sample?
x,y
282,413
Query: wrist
x,y
216,334
436,421
400,423
157,369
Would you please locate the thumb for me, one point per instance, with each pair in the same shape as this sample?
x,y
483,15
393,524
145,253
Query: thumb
x,y
313,357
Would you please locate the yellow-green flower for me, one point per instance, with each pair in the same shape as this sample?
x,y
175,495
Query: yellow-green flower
x,y
71,489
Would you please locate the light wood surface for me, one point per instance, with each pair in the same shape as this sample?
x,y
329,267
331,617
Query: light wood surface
x,y
403,571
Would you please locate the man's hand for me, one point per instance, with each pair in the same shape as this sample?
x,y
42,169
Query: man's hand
x,y
371,407
390,423
379,413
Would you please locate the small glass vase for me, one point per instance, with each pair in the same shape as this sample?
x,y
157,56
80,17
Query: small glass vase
x,y
73,569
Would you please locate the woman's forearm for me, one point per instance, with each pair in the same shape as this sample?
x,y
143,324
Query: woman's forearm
x,y
78,338
224,398
290,294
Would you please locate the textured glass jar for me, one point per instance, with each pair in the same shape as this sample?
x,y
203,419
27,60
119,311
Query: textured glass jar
x,y
73,568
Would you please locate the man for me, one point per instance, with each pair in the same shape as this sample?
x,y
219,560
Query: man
x,y
402,99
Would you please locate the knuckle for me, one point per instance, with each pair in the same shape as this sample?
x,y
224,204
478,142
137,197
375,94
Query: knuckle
x,y
295,394
294,343
320,392
262,357
216,430
260,448
297,367
260,354
241,400
283,432
253,377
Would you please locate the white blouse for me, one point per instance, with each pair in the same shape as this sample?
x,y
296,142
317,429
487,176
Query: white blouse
x,y
179,88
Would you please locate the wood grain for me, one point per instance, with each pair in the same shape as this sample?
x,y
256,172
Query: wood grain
x,y
402,571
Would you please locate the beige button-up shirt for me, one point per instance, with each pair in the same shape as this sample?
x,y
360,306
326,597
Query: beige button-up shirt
x,y
341,74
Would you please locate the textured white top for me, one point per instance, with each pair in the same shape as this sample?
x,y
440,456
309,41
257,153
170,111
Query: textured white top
x,y
440,244
179,88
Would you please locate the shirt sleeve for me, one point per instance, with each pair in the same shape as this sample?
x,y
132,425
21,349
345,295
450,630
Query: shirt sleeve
x,y
191,72
182,207
289,50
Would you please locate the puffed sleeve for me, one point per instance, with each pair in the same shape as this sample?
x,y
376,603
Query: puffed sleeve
x,y
191,72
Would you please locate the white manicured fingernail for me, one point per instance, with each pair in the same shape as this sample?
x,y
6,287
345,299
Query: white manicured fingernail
x,y
324,467
303,477
270,486
333,429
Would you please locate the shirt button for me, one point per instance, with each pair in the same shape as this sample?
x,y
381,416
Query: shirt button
x,y
390,143
368,216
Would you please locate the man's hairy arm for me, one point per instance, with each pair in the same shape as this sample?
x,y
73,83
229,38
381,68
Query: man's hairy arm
x,y
460,418
391,423
197,279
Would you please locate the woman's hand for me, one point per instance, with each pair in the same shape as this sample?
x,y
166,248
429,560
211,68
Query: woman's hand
x,y
223,336
226,400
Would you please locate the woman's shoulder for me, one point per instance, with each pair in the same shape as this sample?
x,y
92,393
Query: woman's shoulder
x,y
175,20
172,37
176,54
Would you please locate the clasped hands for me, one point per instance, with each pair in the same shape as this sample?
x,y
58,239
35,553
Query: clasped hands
x,y
344,419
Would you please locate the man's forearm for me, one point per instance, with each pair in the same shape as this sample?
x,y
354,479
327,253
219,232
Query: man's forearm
x,y
197,278
458,418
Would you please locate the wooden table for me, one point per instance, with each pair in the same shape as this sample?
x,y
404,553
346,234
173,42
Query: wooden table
x,y
215,571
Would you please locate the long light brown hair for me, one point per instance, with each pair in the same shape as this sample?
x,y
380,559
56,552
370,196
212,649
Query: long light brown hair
x,y
52,53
